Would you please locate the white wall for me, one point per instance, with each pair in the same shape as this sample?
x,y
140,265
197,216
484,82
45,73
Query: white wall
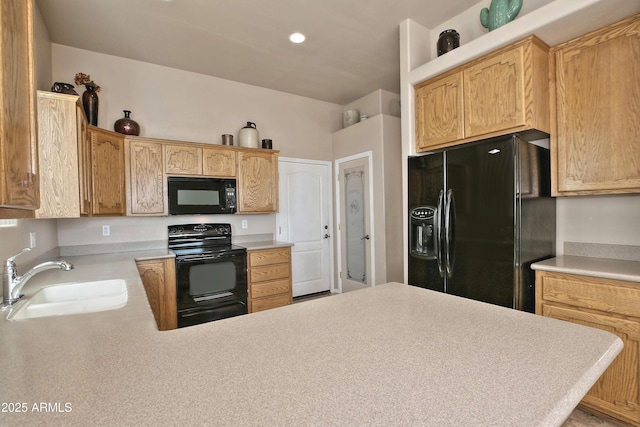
x,y
598,219
468,25
88,231
15,238
42,52
377,102
380,135
181,105
174,104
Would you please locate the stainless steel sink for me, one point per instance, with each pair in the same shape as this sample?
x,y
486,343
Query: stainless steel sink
x,y
72,298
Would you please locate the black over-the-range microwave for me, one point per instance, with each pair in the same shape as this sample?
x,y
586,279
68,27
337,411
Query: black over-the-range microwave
x,y
190,195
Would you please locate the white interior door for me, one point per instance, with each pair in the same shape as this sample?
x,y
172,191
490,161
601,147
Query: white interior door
x,y
305,220
354,205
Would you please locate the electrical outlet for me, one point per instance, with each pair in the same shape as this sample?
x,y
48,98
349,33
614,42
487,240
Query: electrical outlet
x,y
32,239
106,230
245,223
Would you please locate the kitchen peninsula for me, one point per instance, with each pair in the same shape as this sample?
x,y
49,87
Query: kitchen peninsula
x,y
388,355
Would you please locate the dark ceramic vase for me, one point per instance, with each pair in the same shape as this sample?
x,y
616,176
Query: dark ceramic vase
x,y
127,125
90,104
448,40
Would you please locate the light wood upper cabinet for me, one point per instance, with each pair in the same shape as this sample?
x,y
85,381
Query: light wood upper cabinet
x,y
439,113
183,159
611,305
502,92
19,186
59,133
84,160
596,147
219,162
508,90
146,183
150,161
107,172
257,186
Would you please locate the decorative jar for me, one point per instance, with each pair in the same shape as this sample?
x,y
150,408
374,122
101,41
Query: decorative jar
x,y
127,125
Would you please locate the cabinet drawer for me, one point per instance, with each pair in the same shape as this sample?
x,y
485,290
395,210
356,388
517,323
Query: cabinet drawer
x,y
269,272
611,296
269,256
270,302
265,289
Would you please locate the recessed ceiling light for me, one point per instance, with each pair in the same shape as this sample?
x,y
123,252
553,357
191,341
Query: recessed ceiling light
x,y
297,37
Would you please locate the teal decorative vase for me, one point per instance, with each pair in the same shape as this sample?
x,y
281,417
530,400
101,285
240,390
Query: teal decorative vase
x,y
499,13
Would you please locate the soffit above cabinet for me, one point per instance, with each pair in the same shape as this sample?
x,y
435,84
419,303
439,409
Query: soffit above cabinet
x,y
553,23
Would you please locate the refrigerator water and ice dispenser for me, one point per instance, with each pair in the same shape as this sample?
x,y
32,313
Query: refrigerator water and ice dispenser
x,y
423,232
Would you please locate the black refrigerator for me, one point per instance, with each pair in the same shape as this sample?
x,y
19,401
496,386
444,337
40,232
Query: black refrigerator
x,y
479,215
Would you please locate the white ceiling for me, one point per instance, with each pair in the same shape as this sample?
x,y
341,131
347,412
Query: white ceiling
x,y
352,46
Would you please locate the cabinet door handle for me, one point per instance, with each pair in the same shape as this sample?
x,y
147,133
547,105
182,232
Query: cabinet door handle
x,y
365,237
326,236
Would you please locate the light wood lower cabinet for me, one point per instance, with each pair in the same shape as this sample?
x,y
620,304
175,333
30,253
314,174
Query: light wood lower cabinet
x,y
269,278
610,305
159,280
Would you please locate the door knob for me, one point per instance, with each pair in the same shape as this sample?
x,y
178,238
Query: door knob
x,y
365,237
326,236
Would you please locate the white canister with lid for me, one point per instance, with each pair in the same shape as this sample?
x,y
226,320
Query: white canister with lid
x,y
350,117
248,136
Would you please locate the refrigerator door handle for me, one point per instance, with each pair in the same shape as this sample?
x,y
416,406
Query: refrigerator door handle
x,y
449,220
438,233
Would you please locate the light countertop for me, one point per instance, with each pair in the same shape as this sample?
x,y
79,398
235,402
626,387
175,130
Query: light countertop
x,y
266,244
593,267
389,355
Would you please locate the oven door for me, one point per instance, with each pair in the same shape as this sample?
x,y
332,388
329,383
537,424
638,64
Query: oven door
x,y
211,289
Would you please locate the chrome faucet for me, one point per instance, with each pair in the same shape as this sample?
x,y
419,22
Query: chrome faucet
x,y
12,283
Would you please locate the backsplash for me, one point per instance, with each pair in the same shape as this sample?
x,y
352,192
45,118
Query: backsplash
x,y
600,250
106,248
88,231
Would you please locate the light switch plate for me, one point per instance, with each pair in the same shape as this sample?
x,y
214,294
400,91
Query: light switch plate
x,y
106,230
